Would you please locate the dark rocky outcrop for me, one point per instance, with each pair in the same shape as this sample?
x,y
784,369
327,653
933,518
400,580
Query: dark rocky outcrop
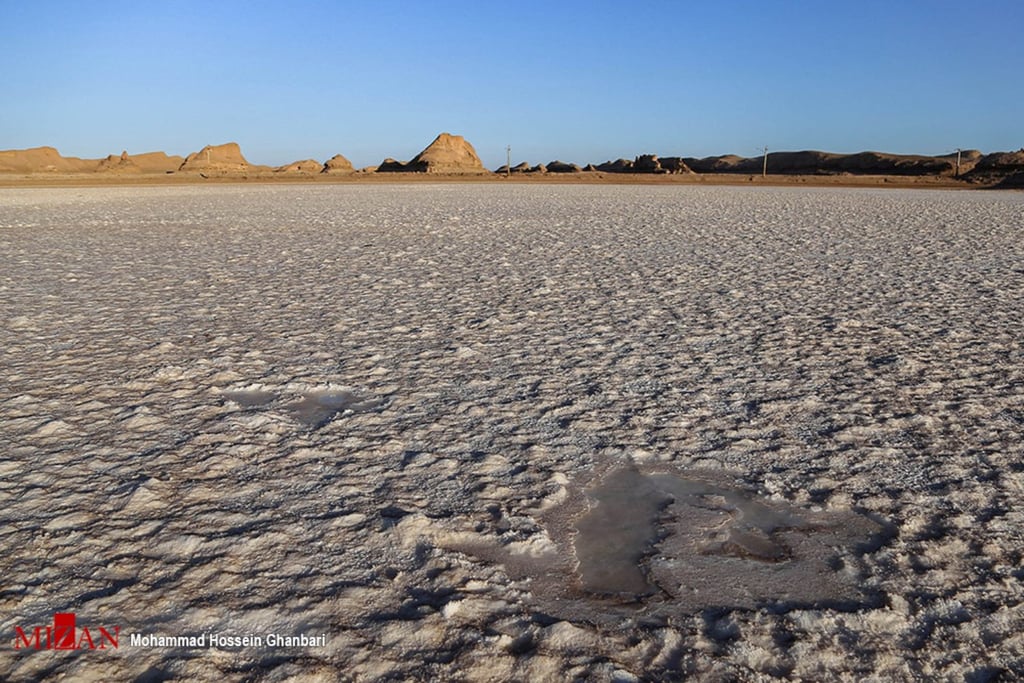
x,y
390,165
1004,168
562,167
674,165
826,163
617,166
522,167
646,163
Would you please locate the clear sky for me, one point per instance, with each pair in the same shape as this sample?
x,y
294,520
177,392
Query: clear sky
x,y
576,81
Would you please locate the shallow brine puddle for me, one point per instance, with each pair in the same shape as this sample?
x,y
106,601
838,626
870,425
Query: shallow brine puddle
x,y
670,537
312,408
658,545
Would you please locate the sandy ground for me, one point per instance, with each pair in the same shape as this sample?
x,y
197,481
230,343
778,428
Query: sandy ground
x,y
402,417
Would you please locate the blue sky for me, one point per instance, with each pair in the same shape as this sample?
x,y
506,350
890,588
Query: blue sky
x,y
576,81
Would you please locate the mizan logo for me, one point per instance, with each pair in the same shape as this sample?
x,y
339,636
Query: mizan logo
x,y
64,635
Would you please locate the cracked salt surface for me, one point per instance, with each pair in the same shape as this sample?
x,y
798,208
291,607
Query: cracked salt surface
x,y
386,414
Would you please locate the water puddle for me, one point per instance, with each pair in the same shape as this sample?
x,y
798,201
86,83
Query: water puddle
x,y
696,543
317,408
660,544
613,538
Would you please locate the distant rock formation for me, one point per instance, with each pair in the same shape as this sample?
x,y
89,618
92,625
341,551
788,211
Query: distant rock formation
x,y
338,164
645,163
826,163
1005,168
452,154
219,159
49,160
306,166
1003,162
674,165
563,167
149,162
617,166
390,165
447,154
42,160
721,164
156,162
118,164
522,167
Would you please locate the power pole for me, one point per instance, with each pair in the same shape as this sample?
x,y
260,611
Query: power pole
x,y
957,163
764,165
508,161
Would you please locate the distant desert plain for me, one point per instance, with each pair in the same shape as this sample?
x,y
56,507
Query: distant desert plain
x,y
451,157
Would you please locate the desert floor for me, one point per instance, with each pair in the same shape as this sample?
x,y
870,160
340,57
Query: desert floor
x,y
494,432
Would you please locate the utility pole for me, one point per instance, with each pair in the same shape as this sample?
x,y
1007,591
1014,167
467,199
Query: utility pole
x,y
764,165
508,161
957,163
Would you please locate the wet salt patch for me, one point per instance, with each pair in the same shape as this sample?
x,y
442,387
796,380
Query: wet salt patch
x,y
317,408
666,544
314,407
708,545
613,537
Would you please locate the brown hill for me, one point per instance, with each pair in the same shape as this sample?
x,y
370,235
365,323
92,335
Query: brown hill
x,y
42,160
307,166
149,162
157,162
219,159
338,164
450,154
118,164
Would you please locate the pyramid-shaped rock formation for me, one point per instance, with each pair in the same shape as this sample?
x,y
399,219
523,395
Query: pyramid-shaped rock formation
x,y
449,154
